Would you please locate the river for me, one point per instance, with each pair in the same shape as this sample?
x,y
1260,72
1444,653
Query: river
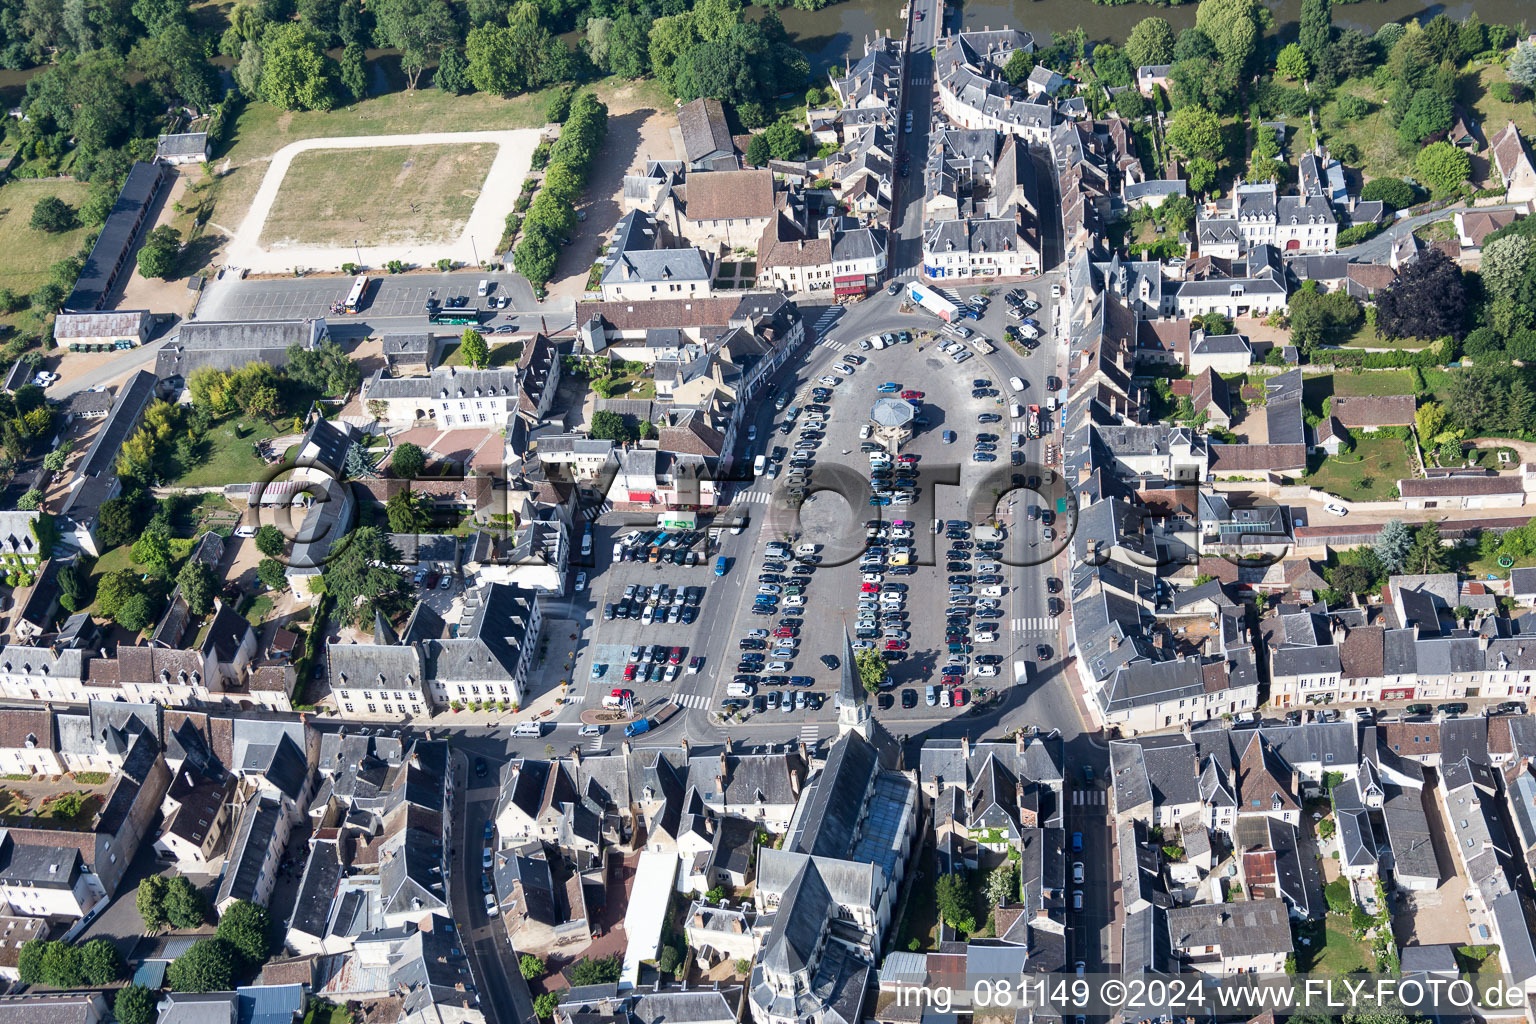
x,y
835,33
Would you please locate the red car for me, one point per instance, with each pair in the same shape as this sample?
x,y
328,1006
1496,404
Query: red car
x,y
895,645
910,395
629,673
951,681
960,697
676,657
624,694
907,458
870,588
786,631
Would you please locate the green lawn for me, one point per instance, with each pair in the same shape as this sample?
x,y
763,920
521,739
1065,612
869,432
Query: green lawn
x,y
1382,152
1366,337
1494,114
324,1012
506,354
1366,474
228,455
1366,382
1339,952
33,252
259,610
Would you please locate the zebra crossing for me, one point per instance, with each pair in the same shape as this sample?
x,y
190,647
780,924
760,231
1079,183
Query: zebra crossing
x,y
1038,622
828,342
697,701
596,744
809,734
753,497
827,318
1088,797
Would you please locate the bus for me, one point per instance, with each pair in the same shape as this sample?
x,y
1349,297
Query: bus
x,y
459,317
355,296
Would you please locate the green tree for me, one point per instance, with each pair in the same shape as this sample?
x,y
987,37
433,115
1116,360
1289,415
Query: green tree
x,y
296,73
452,74
172,61
114,590
758,153
1002,884
1429,113
269,540
1427,555
153,550
31,500
272,574
629,45
1395,192
405,513
1315,34
544,1005
871,668
1234,28
610,426
197,586
74,587
208,966
537,254
53,215
29,961
530,966
473,348
1200,172
184,905
248,930
1338,896
1521,65
1150,42
360,579
150,900
420,29
353,71
1177,213
1018,68
1293,63
785,139
408,461
158,255
1195,131
953,898
1443,166
134,1004
492,61
100,963
603,971
1393,545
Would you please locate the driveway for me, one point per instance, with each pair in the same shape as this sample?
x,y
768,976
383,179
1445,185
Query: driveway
x,y
483,230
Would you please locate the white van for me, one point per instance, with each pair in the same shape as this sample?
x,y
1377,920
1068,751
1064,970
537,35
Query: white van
x,y
484,289
1016,410
735,689
528,729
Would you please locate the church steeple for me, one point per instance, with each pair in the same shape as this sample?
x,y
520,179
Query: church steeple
x,y
852,702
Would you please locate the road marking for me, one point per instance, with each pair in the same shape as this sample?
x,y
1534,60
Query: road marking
x,y
809,734
1088,798
596,744
1047,622
690,700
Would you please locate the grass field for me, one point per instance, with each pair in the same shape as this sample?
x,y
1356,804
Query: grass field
x,y
1366,337
33,252
261,130
1339,951
1494,114
1366,474
229,454
1382,152
1366,382
415,193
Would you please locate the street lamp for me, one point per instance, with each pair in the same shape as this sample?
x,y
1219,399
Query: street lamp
x,y
474,249
357,248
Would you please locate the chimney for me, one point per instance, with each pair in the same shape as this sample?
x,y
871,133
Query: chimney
x,y
965,745
722,766
576,754
698,919
728,745
1184,728
805,752
685,748
626,747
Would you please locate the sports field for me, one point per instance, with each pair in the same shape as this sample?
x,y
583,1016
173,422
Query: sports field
x,y
382,196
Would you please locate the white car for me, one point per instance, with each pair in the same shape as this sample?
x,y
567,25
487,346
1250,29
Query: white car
x,y
991,591
795,601
873,577
777,667
842,368
863,645
986,670
864,346
581,582
1337,510
829,381
864,432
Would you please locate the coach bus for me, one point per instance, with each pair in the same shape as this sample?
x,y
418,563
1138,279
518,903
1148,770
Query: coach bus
x,y
458,317
355,296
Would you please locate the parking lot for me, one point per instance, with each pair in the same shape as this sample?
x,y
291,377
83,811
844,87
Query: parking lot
x,y
948,482
231,298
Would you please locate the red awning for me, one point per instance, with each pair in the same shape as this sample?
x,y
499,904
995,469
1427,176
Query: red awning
x,y
645,496
851,289
851,279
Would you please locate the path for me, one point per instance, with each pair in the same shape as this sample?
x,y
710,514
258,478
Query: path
x,y
1525,449
1377,249
503,183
